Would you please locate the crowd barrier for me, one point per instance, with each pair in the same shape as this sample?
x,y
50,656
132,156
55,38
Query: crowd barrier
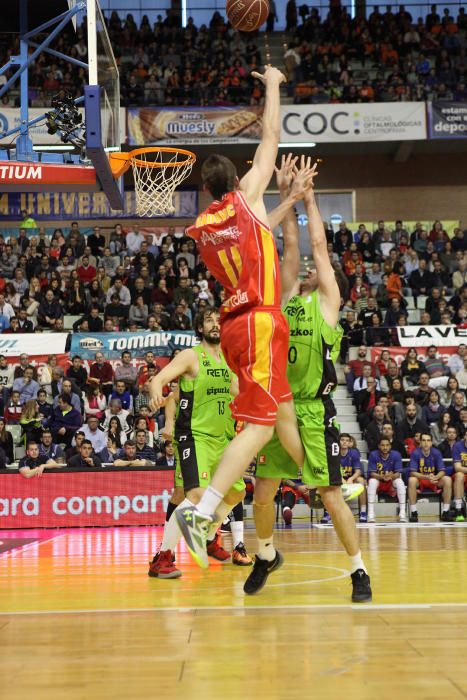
x,y
93,498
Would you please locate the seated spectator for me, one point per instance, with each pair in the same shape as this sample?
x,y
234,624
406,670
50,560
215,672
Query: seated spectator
x,y
447,393
439,430
138,312
423,390
143,397
95,402
366,314
411,368
143,372
458,403
33,464
394,312
86,272
421,280
74,449
94,434
85,458
143,449
6,441
392,374
31,422
168,459
445,447
94,322
459,457
433,411
74,398
116,432
26,386
411,424
101,372
179,320
123,395
140,424
23,366
65,420
127,457
376,335
385,476
361,381
428,473
49,449
293,490
366,400
121,291
374,428
115,409
435,366
126,371
352,472
461,424
396,444
461,375
14,408
77,373
45,408
49,311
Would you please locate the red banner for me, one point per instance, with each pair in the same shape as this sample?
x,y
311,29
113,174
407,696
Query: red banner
x,y
85,499
399,354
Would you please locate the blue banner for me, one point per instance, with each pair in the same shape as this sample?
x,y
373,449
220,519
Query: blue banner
x,y
161,343
84,205
447,120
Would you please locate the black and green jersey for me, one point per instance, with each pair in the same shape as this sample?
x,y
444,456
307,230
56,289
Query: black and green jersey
x,y
313,349
203,409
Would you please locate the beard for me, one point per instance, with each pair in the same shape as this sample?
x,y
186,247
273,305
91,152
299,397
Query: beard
x,y
212,339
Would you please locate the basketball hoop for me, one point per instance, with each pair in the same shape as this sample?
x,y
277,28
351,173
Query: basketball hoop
x,y
157,172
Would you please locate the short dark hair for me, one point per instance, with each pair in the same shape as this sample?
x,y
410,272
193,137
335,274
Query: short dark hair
x,y
86,442
64,397
130,443
46,431
218,174
383,437
346,435
76,357
425,432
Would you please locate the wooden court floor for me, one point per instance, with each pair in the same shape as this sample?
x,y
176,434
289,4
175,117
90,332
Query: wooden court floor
x,y
80,618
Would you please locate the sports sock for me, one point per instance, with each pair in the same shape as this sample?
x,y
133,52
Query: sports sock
x,y
172,532
445,507
356,562
237,530
170,509
362,509
458,503
266,549
209,502
413,509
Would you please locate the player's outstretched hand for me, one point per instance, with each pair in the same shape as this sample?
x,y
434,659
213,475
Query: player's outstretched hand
x,y
303,178
285,173
270,75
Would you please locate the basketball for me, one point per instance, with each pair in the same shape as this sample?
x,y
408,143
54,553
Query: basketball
x,y
247,15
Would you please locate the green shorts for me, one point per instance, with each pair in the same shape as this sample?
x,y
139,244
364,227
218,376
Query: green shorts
x,y
197,460
319,431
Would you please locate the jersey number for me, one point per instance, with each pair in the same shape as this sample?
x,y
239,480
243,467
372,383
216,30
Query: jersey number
x,y
292,355
327,389
221,407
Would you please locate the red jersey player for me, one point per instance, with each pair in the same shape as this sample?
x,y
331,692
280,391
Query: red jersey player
x,y
236,243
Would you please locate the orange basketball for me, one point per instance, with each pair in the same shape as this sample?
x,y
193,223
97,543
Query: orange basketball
x,y
247,15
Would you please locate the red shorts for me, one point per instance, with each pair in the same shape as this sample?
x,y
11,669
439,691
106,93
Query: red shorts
x,y
255,344
387,487
297,494
427,485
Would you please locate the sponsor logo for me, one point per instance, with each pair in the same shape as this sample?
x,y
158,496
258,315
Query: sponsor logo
x,y
219,373
237,299
301,332
184,404
219,237
262,459
186,453
204,475
20,172
91,344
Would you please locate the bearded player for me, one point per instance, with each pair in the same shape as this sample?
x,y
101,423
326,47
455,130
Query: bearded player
x,y
312,312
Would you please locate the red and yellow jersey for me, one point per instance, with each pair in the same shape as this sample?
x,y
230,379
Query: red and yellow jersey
x,y
239,250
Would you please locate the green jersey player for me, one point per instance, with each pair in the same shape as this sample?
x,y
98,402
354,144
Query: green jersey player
x,y
202,429
312,311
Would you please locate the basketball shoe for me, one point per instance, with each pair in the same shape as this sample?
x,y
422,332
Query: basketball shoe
x,y
287,515
162,566
361,589
240,557
216,550
261,570
351,491
194,527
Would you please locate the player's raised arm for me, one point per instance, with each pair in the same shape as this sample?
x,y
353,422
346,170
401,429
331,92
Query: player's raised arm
x,y
254,183
186,362
328,288
290,266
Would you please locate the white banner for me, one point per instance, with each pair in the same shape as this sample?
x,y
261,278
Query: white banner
x,y
424,336
10,118
390,121
14,344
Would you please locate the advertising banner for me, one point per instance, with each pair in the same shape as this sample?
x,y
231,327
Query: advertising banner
x,y
161,343
424,336
447,120
193,125
390,121
398,354
47,206
14,344
85,499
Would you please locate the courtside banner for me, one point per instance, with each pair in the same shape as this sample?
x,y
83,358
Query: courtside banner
x,y
193,125
390,121
161,343
424,336
399,354
85,499
447,120
15,344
